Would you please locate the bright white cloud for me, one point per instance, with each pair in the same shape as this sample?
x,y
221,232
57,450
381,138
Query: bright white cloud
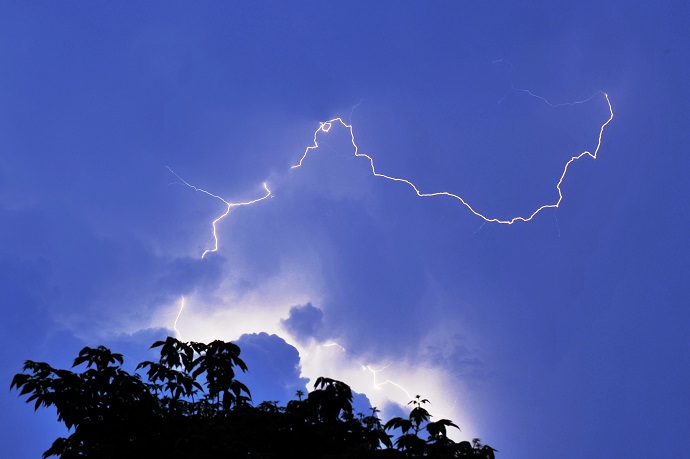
x,y
384,379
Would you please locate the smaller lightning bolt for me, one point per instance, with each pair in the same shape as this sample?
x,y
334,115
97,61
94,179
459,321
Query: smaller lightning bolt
x,y
334,345
544,99
378,385
229,206
179,313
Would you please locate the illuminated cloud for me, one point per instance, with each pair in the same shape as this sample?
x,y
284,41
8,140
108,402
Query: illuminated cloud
x,y
274,368
304,323
284,344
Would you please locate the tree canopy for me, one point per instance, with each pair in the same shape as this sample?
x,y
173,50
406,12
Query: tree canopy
x,y
189,404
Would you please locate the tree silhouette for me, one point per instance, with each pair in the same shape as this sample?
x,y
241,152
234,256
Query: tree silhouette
x,y
191,405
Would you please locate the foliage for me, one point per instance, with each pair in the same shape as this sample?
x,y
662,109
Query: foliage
x,y
191,405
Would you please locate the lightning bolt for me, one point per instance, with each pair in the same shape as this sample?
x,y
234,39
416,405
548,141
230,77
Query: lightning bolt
x,y
229,207
326,126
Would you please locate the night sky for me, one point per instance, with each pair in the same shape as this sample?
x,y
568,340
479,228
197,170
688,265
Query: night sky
x,y
566,336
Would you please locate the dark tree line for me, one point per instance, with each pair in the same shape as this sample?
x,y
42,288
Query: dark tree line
x,y
188,404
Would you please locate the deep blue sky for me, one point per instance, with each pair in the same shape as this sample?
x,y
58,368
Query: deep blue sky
x,y
563,337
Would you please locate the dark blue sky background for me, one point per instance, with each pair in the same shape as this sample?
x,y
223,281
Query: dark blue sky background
x,y
563,337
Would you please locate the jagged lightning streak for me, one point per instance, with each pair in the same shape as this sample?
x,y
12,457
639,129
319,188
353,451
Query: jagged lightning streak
x,y
179,313
229,205
378,385
333,344
543,99
326,126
